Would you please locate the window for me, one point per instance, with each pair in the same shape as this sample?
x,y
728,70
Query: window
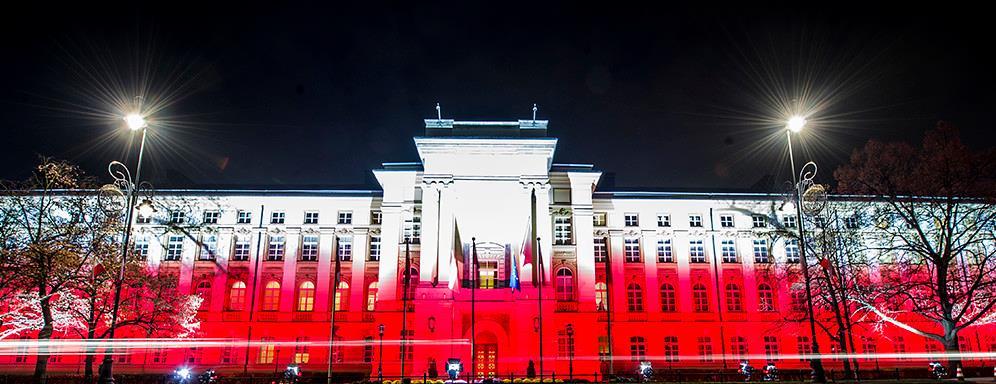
x,y
413,279
565,344
211,217
632,249
204,291
209,247
141,249
159,355
301,355
344,248
601,249
227,355
726,221
487,274
407,351
309,248
565,285
271,296
603,348
664,254
237,296
345,217
598,219
372,296
789,221
244,217
663,220
761,251
140,219
368,349
734,299
634,298
266,350
759,221
695,221
729,249
851,222
765,298
705,349
241,252
738,347
562,230
869,349
671,349
771,348
696,251
637,348
306,297
311,217
821,222
275,249
601,296
631,219
374,248
376,217
412,231
277,217
798,300
174,248
899,346
342,297
177,217
669,301
804,346
700,297
792,250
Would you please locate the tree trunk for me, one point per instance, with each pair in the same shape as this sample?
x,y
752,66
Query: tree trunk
x,y
951,346
45,334
88,361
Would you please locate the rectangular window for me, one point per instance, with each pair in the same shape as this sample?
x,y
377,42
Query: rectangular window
x,y
309,248
601,249
177,217
266,351
241,251
374,248
851,222
792,250
408,351
376,217
761,251
805,347
141,249
277,217
311,217
174,248
345,248
760,221
345,217
275,249
368,349
771,348
211,217
821,222
738,347
705,349
565,344
603,348
227,355
729,249
562,230
664,254
245,217
632,249
301,354
139,219
726,221
789,221
631,219
209,247
671,349
663,220
598,219
412,231
696,251
637,349
695,221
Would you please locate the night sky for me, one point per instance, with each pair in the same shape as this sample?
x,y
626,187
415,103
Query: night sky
x,y
318,95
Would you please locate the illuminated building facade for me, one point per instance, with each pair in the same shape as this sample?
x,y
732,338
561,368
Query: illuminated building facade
x,y
689,276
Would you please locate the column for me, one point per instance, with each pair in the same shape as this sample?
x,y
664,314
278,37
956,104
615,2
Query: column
x,y
653,287
357,284
288,282
326,250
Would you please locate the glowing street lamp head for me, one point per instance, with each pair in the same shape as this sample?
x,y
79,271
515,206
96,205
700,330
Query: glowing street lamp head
x,y
135,121
796,123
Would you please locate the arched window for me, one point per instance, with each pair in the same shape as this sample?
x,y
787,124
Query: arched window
x,y
413,279
237,296
765,298
700,297
342,296
204,291
271,296
668,301
306,297
634,298
372,296
734,300
601,296
565,285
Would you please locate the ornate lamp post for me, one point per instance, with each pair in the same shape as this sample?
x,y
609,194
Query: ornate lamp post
x,y
127,188
380,360
802,183
570,351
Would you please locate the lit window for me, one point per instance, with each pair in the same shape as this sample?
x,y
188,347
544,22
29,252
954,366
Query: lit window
x,y
729,249
601,296
637,348
695,221
632,249
598,219
562,230
345,248
309,248
211,217
275,249
241,252
761,251
413,280
669,301
237,296
663,220
372,296
696,251
765,298
700,297
345,217
244,217
565,285
301,354
792,251
271,296
277,217
266,350
306,297
174,248
760,221
664,254
705,349
726,221
634,298
341,297
311,217
631,219
734,300
374,248
487,274
601,249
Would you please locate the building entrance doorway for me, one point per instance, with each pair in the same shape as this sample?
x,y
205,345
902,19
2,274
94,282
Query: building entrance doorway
x,y
486,360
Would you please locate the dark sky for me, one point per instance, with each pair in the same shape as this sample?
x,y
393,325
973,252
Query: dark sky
x,y
321,94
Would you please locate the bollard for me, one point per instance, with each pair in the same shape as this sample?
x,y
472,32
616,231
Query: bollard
x,y
959,374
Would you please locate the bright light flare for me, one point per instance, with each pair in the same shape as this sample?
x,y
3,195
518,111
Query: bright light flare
x,y
796,123
145,209
135,121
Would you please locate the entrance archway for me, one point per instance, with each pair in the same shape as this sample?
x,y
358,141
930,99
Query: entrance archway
x,y
486,355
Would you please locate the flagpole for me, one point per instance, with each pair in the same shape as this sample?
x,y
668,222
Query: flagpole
x,y
335,289
404,309
473,311
608,309
539,262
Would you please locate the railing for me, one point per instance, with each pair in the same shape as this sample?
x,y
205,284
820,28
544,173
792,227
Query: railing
x,y
566,306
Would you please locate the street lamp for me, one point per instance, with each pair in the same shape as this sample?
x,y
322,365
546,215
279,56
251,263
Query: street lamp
x,y
570,351
129,188
796,124
380,362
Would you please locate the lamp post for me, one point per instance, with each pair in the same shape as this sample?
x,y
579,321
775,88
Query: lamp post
x,y
129,188
570,351
380,360
795,124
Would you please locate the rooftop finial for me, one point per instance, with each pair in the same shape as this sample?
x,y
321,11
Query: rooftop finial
x,y
439,112
534,111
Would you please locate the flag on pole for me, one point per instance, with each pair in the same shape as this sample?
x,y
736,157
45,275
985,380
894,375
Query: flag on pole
x,y
458,259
